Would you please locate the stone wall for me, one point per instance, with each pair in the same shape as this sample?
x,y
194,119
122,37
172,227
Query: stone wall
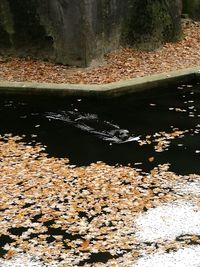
x,y
153,23
75,32
192,8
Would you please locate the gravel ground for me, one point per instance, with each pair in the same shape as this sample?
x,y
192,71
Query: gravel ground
x,y
125,63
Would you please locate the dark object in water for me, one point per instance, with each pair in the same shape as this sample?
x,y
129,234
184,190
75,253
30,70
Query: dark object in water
x,y
93,124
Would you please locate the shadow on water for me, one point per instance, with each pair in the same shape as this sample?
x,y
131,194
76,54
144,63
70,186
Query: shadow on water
x,y
89,130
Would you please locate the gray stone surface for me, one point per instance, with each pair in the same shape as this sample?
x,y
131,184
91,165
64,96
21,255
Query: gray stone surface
x,y
192,8
75,32
115,89
151,23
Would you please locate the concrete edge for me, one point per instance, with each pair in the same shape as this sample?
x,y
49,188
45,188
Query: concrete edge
x,y
106,90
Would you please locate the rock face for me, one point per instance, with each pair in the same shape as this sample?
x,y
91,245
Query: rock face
x,y
192,7
153,22
75,32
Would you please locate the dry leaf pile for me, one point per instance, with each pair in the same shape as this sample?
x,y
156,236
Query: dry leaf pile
x,y
72,216
125,63
162,140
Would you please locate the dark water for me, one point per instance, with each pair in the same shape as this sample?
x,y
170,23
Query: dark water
x,y
89,130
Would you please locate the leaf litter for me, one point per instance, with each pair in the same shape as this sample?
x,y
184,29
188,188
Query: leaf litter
x,y
53,213
57,214
122,64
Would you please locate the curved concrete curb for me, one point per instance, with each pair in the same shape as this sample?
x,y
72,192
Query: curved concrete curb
x,y
105,90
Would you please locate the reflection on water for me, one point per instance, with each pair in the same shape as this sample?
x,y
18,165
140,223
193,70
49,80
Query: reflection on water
x,y
91,123
101,215
126,130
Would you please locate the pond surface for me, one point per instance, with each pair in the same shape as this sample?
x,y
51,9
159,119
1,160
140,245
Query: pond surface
x,y
101,214
111,130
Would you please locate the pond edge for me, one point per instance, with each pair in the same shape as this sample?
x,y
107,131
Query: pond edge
x,y
114,89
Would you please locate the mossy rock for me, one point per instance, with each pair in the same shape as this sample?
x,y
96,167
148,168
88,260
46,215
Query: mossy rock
x,y
192,7
152,23
74,32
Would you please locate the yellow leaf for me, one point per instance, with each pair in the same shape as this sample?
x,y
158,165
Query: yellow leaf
x,y
151,159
